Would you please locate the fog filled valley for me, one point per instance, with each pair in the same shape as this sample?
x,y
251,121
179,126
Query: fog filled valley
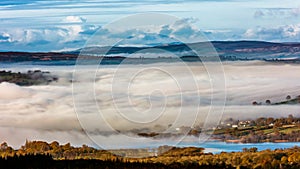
x,y
112,102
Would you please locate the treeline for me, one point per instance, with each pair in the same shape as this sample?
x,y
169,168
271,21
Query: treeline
x,y
43,161
288,100
36,77
248,159
176,158
57,151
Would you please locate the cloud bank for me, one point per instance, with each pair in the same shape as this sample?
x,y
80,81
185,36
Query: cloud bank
x,y
74,32
151,102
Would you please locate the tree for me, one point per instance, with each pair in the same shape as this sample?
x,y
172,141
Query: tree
x,y
253,150
54,145
3,146
288,97
66,146
270,120
268,102
276,130
245,150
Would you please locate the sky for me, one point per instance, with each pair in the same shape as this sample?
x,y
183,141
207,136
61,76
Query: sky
x,y
44,25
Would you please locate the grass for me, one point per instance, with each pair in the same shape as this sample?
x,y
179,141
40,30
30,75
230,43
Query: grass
x,y
242,131
268,131
289,130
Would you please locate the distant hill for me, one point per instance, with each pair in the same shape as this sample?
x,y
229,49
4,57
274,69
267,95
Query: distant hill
x,y
227,50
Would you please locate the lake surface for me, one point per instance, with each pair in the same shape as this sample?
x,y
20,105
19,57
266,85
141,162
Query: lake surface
x,y
217,147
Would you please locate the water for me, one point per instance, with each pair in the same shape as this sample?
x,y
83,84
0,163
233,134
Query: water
x,y
210,146
217,147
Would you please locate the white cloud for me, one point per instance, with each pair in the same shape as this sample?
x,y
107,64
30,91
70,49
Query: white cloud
x,y
180,31
183,29
280,33
74,19
271,13
70,32
75,35
54,38
5,37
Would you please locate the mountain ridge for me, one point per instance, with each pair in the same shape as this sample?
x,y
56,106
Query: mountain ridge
x,y
227,50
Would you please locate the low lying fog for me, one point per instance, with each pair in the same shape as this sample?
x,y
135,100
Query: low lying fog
x,y
115,100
